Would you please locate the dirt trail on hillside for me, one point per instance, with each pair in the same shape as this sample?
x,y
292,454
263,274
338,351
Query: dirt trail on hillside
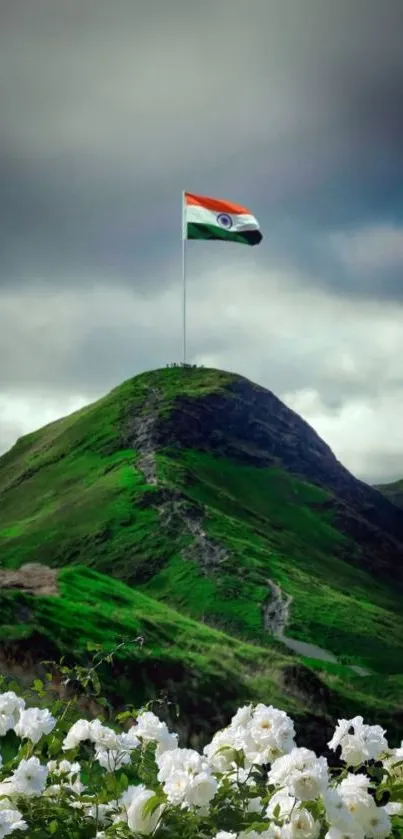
x,y
276,614
276,610
142,437
176,511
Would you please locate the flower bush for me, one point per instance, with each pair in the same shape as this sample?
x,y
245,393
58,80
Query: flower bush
x,y
85,779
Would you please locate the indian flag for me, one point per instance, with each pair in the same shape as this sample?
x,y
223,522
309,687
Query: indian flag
x,y
212,218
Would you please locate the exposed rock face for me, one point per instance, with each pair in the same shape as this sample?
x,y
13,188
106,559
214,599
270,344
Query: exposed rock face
x,y
175,511
276,610
32,578
249,424
141,436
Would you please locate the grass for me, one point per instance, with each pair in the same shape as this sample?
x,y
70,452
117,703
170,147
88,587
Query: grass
x,y
266,520
205,670
72,496
69,492
198,661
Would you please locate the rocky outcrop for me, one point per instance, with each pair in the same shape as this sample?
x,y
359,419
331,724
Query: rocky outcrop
x,y
276,610
31,578
176,512
140,436
249,424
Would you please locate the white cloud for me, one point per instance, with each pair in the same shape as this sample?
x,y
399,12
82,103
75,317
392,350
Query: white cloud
x,y
19,414
365,434
336,362
377,247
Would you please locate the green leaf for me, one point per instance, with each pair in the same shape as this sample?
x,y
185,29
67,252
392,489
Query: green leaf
x,y
396,793
55,747
53,826
152,804
123,781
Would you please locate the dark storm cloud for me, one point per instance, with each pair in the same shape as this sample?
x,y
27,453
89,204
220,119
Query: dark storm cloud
x,y
108,110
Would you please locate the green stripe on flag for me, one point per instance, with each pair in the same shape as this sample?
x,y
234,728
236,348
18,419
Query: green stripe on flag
x,y
212,231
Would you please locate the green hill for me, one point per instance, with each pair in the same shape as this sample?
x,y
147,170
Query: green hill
x,y
193,507
394,492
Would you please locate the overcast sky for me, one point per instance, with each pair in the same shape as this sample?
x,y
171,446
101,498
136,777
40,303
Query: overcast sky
x,y
293,108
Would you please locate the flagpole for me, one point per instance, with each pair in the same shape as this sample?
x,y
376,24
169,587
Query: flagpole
x,y
184,273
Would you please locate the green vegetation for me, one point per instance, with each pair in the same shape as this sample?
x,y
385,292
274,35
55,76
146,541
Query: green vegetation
x,y
68,493
267,521
73,496
205,670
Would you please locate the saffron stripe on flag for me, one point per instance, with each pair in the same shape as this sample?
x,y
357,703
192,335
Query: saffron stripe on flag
x,y
215,204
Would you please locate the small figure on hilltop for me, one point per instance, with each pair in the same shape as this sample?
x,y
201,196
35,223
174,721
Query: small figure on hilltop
x,y
183,364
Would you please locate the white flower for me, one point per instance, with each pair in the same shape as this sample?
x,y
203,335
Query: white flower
x,y
310,784
394,808
243,717
10,707
262,734
359,742
377,823
117,753
255,805
102,736
223,834
339,816
151,729
303,774
269,734
128,740
7,722
33,723
66,772
301,825
284,801
187,759
111,759
6,788
220,752
203,788
10,820
79,732
52,791
186,777
30,777
67,768
354,785
354,792
353,832
11,704
134,800
177,786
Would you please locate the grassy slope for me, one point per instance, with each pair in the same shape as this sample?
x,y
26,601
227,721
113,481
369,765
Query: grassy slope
x,y
110,611
207,671
70,494
394,492
267,520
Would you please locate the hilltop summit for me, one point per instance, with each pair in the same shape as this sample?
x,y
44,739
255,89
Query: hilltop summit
x,y
194,502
